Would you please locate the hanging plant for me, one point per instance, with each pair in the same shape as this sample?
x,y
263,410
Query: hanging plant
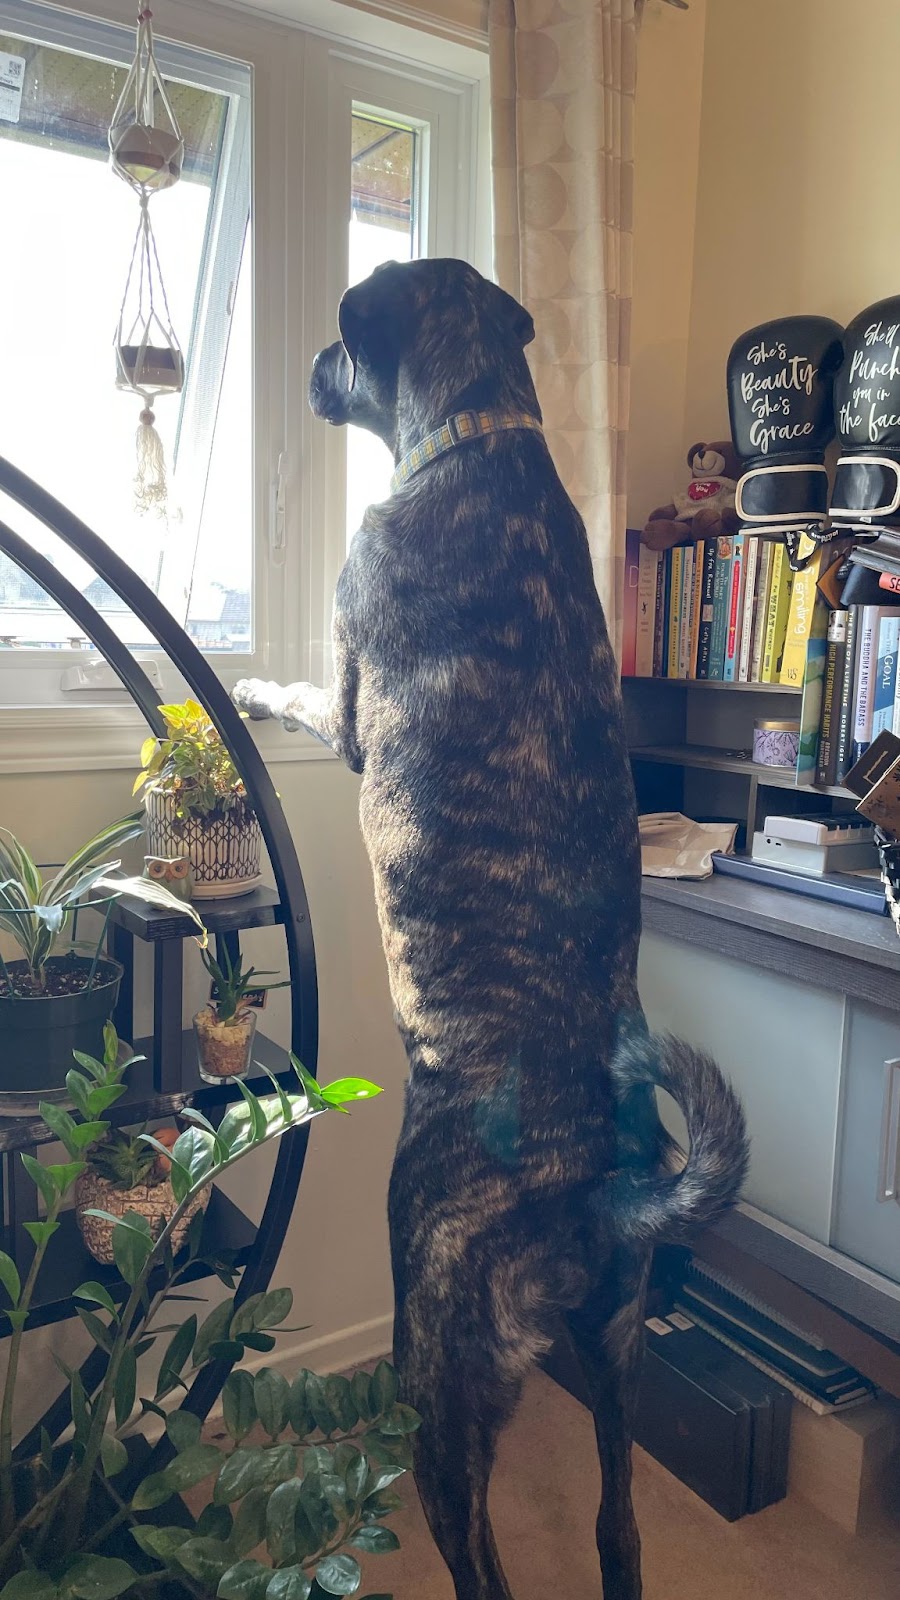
x,y
147,151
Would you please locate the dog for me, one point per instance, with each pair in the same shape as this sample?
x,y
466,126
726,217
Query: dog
x,y
476,692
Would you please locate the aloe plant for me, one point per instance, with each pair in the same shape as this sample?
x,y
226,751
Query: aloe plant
x,y
37,913
315,1493
233,984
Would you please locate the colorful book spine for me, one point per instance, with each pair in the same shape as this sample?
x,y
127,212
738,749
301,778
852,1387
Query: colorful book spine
x,y
630,602
869,625
648,583
776,620
735,610
706,608
763,591
721,596
803,598
885,674
674,614
826,764
845,717
687,596
813,688
696,608
751,572
659,620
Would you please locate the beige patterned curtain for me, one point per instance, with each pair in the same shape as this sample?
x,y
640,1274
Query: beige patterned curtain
x,y
562,108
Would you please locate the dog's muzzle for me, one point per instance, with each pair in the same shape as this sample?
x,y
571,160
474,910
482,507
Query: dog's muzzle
x,y
329,385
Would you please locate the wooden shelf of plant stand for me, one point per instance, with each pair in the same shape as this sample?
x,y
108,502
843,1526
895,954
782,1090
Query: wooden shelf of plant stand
x,y
130,919
142,1103
68,1263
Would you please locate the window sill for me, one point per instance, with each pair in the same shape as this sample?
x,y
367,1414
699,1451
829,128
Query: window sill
x,y
107,738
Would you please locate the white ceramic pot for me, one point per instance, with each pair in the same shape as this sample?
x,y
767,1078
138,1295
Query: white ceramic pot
x,y
224,849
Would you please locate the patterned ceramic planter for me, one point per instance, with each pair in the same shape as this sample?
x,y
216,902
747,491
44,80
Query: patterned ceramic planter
x,y
155,1201
224,849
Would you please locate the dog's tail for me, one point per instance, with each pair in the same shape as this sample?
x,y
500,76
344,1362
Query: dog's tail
x,y
666,1206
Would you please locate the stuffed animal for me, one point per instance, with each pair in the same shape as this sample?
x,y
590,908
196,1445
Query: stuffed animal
x,y
705,509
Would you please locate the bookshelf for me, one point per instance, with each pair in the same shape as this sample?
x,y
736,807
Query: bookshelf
x,y
690,744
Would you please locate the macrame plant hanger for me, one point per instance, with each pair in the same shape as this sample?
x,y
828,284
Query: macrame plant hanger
x,y
147,151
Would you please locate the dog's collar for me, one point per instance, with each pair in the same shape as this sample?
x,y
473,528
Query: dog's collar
x,y
458,429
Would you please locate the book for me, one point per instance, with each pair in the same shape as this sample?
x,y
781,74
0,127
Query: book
x,y
890,581
885,673
735,609
761,609
648,581
813,688
864,699
845,708
686,604
826,761
706,608
659,620
777,615
803,596
674,613
751,570
630,601
721,596
696,608
822,1408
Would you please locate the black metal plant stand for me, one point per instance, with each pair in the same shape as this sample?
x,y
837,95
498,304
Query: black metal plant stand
x,y
169,1079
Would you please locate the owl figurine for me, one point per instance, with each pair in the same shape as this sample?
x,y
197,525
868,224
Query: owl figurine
x,y
177,874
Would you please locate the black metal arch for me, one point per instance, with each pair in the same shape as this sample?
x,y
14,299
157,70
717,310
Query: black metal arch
x,y
199,675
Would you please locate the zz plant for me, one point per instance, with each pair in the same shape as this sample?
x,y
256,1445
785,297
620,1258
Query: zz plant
x,y
308,1469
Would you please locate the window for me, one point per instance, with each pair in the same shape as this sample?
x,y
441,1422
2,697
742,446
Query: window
x,y
344,158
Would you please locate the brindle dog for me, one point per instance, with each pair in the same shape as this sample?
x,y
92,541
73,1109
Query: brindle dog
x,y
476,692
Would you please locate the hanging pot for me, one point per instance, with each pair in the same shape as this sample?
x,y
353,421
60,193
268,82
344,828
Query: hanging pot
x,y
39,1032
148,158
156,368
225,847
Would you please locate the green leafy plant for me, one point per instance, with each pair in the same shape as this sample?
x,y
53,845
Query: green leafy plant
x,y
124,1159
191,765
37,913
315,1489
233,984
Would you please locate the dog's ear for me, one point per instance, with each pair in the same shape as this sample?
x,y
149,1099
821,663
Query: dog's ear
x,y
512,315
373,313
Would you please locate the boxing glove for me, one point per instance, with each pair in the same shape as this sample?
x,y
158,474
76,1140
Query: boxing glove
x,y
781,402
866,494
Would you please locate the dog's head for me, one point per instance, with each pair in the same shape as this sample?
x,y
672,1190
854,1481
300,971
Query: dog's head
x,y
419,340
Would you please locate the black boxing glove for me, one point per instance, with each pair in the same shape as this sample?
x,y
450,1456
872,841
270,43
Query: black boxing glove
x,y
780,400
866,494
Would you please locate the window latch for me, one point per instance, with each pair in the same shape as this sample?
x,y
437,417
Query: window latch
x,y
276,509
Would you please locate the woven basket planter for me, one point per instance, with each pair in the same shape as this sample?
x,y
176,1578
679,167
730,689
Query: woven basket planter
x,y
224,848
154,1201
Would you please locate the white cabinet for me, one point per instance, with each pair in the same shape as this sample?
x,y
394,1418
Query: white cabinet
x,y
866,1225
780,1043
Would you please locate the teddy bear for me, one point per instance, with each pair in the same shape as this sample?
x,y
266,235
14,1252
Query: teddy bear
x,y
705,509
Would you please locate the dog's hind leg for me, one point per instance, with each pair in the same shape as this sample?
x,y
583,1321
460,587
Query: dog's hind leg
x,y
607,1333
456,1380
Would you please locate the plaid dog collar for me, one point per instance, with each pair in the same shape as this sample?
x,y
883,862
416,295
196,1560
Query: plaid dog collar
x,y
459,429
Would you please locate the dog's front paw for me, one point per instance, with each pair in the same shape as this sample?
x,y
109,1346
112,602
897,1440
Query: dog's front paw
x,y
258,699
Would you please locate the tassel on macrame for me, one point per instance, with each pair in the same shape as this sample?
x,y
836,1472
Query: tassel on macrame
x,y
147,151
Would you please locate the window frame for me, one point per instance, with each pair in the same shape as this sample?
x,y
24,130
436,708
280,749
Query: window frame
x,y
304,79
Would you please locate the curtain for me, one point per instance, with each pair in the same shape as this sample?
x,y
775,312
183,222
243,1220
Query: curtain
x,y
562,109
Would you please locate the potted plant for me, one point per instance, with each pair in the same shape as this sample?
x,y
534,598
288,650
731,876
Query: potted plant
x,y
299,1492
197,805
57,996
225,1027
124,1174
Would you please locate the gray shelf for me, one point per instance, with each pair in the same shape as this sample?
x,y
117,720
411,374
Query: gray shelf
x,y
713,759
718,684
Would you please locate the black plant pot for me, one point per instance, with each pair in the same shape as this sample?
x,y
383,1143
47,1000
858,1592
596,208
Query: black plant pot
x,y
40,1032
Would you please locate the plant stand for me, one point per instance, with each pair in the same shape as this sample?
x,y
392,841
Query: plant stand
x,y
169,1079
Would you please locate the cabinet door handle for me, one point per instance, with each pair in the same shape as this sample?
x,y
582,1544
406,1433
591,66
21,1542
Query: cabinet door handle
x,y
889,1153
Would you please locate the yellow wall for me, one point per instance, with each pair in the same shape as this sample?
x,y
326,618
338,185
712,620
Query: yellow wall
x,y
799,151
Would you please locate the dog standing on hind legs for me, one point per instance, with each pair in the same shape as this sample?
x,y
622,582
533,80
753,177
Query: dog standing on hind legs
x,y
476,692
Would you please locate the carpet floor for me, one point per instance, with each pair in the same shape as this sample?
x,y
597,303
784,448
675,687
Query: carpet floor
x,y
544,1497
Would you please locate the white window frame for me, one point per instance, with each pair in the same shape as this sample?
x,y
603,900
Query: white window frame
x,y
306,76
